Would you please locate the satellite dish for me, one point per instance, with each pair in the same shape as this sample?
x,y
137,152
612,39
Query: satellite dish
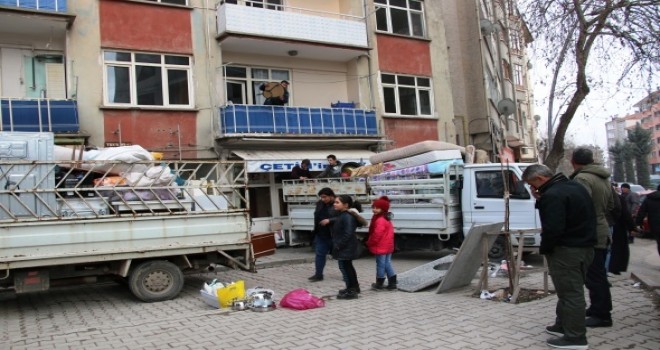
x,y
486,26
506,107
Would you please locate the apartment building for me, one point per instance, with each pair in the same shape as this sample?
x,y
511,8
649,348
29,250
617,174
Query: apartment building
x,y
183,77
648,114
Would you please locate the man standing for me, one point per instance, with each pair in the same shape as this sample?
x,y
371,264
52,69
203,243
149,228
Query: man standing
x,y
322,238
333,169
651,208
633,202
301,172
632,199
568,235
595,179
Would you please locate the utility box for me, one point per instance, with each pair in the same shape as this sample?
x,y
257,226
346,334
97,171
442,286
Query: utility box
x,y
25,180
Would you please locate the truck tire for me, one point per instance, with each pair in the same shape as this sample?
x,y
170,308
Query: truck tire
x,y
498,250
156,280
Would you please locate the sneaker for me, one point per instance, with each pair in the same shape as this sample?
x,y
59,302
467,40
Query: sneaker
x,y
595,322
315,278
555,330
566,343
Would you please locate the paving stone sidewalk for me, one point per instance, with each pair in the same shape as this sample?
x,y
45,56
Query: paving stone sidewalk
x,y
106,316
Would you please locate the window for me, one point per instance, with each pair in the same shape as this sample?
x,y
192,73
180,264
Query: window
x,y
405,17
174,2
490,184
407,95
514,40
243,83
147,79
267,4
518,75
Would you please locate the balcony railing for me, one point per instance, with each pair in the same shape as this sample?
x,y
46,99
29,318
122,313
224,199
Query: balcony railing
x,y
293,23
256,119
58,116
42,5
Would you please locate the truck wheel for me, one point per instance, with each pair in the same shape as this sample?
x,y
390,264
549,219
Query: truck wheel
x,y
156,280
498,250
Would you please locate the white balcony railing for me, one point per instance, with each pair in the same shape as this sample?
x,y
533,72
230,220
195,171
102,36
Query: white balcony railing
x,y
293,23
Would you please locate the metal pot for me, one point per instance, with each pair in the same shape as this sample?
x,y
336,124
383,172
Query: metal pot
x,y
239,305
261,302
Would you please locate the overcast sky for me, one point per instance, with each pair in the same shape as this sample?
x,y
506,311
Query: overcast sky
x,y
603,102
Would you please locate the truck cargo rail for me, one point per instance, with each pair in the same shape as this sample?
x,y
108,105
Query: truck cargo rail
x,y
74,190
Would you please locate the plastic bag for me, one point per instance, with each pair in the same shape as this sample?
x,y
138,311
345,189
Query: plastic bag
x,y
301,299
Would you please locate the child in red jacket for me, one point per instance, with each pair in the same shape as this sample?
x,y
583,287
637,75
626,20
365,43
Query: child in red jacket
x,y
381,244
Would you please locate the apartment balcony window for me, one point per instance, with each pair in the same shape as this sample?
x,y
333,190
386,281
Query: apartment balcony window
x,y
407,95
135,79
267,4
242,83
172,2
404,17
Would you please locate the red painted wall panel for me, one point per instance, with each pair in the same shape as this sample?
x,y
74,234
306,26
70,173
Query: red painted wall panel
x,y
131,25
404,131
404,56
153,130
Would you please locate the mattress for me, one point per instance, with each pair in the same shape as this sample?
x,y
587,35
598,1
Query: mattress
x,y
412,150
435,168
421,159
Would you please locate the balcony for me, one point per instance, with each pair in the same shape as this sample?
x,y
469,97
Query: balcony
x,y
41,5
34,19
260,125
57,116
291,31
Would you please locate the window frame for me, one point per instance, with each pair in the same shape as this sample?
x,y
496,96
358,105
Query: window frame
x,y
396,86
165,68
385,4
518,75
165,2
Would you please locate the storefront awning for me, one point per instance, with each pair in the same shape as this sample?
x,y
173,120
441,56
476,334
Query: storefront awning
x,y
283,161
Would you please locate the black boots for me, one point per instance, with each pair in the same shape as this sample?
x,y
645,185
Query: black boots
x,y
350,293
391,283
379,284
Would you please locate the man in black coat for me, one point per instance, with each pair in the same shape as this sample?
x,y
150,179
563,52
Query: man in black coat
x,y
651,208
322,237
568,237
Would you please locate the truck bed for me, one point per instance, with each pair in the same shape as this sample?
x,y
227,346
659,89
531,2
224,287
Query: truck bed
x,y
88,216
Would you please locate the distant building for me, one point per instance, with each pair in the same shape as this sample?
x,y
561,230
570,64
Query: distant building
x,y
648,116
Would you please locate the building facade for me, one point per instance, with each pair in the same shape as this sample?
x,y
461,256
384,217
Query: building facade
x,y
183,77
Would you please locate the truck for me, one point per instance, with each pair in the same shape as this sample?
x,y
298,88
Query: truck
x,y
146,222
432,211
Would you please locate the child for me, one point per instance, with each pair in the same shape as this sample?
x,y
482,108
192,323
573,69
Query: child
x,y
345,245
381,243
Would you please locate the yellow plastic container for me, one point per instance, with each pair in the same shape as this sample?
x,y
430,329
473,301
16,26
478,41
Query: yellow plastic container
x,y
230,292
157,155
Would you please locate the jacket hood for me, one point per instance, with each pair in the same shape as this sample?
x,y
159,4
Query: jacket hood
x,y
593,169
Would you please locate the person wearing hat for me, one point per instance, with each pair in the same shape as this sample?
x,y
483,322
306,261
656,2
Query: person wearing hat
x,y
381,243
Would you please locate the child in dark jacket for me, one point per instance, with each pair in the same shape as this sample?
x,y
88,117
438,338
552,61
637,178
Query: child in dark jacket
x,y
381,244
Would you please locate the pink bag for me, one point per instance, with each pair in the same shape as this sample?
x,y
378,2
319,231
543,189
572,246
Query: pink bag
x,y
301,299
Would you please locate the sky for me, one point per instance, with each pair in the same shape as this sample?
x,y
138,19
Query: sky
x,y
603,102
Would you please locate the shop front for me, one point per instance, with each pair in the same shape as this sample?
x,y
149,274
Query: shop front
x,y
267,169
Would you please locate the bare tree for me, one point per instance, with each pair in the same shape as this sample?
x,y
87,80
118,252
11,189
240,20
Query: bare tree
x,y
599,31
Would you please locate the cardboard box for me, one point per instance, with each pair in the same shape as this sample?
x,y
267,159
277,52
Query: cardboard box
x,y
263,244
